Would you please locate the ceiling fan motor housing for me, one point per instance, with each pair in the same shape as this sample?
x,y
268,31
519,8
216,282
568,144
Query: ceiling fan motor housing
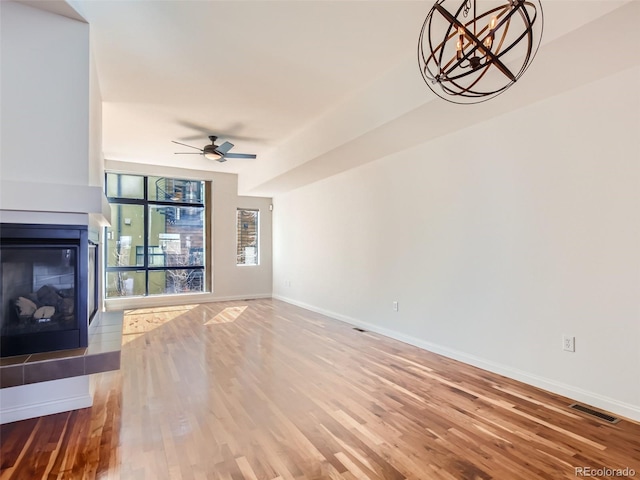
x,y
211,152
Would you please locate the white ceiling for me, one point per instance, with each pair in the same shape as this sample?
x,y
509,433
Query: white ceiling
x,y
265,75
251,72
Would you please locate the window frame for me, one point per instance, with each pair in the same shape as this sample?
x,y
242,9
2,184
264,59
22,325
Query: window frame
x,y
257,234
147,204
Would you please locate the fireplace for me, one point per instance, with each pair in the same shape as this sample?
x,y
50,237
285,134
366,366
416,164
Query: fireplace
x,y
48,287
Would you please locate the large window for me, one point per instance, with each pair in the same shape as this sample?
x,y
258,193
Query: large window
x,y
247,224
156,242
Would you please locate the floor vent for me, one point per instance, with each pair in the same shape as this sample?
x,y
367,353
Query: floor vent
x,y
359,329
594,413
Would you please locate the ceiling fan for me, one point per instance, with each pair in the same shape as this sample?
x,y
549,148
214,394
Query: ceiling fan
x,y
219,153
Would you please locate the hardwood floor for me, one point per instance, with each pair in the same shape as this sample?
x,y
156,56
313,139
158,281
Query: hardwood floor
x,y
265,390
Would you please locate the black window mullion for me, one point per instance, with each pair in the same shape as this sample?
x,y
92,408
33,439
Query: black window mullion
x,y
126,201
145,240
175,204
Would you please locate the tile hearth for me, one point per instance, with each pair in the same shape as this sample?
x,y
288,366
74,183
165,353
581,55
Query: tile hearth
x,y
102,354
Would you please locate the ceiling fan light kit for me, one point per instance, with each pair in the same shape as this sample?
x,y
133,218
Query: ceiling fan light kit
x,y
210,153
469,54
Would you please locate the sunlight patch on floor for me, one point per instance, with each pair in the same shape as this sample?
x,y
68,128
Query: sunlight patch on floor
x,y
228,315
138,322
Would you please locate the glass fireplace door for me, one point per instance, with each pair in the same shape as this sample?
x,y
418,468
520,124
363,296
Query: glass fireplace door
x,y
43,290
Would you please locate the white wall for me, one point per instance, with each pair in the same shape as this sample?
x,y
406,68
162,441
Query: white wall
x,y
229,280
45,96
96,159
495,240
50,98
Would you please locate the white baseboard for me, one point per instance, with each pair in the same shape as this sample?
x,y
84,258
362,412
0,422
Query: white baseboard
x,y
44,398
241,297
131,303
591,398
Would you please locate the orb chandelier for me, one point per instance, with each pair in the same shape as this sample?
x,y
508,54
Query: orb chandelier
x,y
467,55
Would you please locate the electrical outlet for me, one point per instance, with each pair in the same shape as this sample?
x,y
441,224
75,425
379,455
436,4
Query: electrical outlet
x,y
568,343
395,306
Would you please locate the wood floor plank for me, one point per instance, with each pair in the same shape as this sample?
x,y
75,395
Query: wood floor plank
x,y
263,390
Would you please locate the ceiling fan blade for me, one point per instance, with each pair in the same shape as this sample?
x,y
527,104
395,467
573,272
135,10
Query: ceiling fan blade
x,y
188,153
232,132
185,145
197,127
224,148
192,137
240,155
